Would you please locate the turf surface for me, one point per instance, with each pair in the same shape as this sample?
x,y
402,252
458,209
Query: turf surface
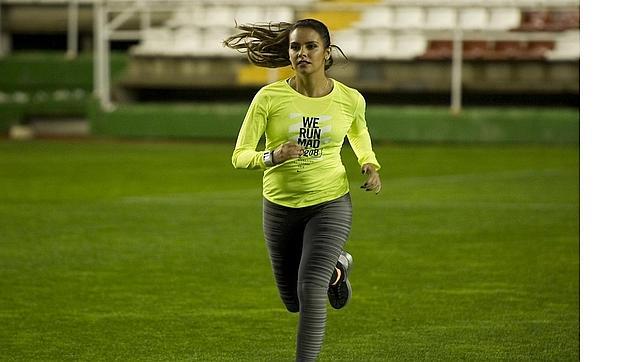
x,y
154,251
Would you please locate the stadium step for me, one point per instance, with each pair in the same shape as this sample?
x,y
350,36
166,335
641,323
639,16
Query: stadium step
x,y
50,128
253,75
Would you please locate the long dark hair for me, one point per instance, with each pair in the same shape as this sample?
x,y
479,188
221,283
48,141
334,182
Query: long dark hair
x,y
266,44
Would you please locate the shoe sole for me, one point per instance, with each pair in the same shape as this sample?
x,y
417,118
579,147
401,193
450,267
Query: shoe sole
x,y
345,285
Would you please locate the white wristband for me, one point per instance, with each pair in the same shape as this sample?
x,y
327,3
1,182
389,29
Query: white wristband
x,y
268,159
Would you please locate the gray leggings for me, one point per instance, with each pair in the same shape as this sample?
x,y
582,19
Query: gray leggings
x,y
304,245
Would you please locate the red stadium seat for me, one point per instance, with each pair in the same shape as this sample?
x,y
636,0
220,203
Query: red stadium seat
x,y
533,21
538,49
504,50
438,50
475,49
563,20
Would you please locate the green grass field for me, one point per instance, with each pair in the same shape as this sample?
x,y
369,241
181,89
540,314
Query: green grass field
x,y
153,251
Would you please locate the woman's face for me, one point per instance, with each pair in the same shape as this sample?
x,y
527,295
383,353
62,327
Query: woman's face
x,y
306,51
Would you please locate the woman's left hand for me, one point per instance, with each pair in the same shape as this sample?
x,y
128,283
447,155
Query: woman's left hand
x,y
373,178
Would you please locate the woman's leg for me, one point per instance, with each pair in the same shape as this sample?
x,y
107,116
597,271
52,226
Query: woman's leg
x,y
324,236
283,232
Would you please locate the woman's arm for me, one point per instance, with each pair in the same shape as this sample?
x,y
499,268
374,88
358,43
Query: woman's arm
x,y
360,141
245,154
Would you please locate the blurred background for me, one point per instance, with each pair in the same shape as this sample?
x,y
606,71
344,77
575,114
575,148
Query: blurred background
x,y
126,234
157,68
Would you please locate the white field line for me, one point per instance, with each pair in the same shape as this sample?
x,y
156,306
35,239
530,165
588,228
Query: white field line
x,y
408,182
475,205
456,178
236,196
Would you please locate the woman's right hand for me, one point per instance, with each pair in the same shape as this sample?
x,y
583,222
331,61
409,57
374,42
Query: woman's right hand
x,y
287,151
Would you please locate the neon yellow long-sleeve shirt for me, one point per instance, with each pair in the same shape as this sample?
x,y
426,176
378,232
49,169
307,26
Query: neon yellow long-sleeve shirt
x,y
320,125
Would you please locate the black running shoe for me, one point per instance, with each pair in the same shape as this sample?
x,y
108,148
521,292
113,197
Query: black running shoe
x,y
340,293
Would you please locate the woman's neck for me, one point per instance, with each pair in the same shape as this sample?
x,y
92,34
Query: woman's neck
x,y
312,86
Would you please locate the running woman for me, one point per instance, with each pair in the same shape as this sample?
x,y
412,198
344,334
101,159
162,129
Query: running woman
x,y
307,208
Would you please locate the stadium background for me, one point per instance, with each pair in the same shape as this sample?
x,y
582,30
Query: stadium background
x,y
119,244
